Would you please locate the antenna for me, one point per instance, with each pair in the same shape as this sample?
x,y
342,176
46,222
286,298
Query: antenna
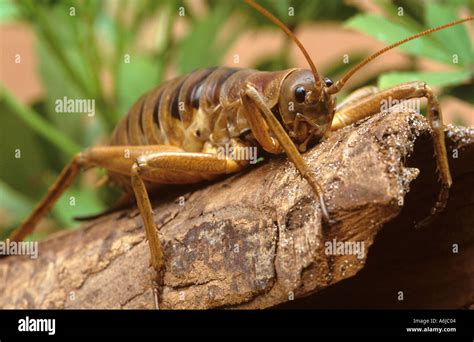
x,y
336,87
290,34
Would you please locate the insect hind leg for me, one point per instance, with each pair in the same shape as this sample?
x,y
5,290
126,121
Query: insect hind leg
x,y
373,104
356,96
146,211
148,167
436,122
64,180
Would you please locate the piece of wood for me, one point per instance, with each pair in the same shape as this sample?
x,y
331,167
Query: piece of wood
x,y
255,240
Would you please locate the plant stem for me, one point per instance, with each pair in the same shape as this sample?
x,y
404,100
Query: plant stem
x,y
119,49
166,44
38,124
87,90
48,35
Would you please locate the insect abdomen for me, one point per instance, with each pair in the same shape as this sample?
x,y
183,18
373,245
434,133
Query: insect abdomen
x,y
203,106
167,114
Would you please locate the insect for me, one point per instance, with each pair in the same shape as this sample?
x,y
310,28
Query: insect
x,y
172,134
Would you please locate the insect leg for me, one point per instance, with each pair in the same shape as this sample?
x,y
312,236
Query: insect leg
x,y
262,114
64,180
357,95
258,125
159,164
378,102
148,164
146,211
110,158
373,104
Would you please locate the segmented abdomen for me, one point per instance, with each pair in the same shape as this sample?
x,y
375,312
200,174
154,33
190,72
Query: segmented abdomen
x,y
168,113
203,106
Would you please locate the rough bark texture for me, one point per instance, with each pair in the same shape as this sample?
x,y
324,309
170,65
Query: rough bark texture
x,y
255,240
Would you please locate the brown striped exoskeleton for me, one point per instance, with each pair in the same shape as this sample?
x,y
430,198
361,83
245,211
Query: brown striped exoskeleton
x,y
174,133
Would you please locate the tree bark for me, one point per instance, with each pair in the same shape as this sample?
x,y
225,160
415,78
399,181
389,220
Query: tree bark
x,y
255,239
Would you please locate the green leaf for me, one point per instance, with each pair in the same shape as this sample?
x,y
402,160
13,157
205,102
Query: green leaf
x,y
57,86
85,200
64,44
334,10
16,205
273,63
431,78
413,13
463,92
458,3
414,10
281,8
107,29
135,78
390,32
8,11
455,40
201,48
39,124
21,162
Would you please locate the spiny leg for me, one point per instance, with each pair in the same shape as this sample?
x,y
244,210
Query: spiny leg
x,y
159,164
251,103
64,180
108,157
251,98
373,104
146,211
150,164
436,121
153,163
356,96
111,158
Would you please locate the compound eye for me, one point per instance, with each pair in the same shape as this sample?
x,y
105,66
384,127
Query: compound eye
x,y
328,82
300,94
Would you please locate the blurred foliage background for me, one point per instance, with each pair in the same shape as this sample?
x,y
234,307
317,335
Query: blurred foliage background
x,y
82,48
